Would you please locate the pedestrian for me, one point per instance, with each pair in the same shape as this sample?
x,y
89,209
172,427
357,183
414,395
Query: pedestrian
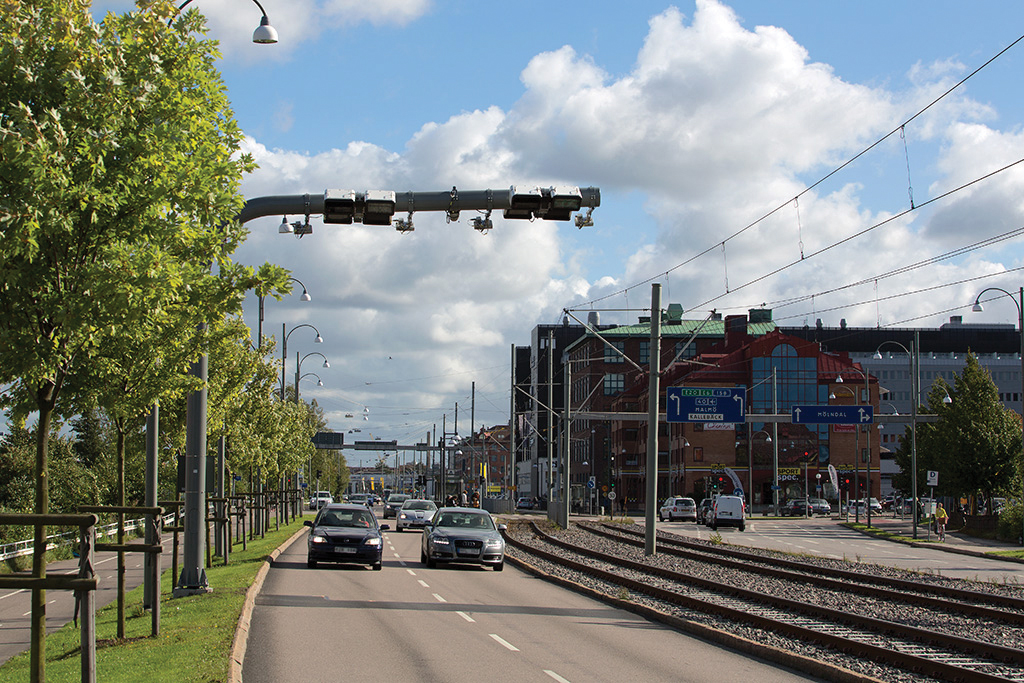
x,y
941,518
465,499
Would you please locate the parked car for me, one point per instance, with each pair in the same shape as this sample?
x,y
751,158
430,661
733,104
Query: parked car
x,y
683,509
394,503
319,499
342,532
820,506
524,504
703,509
727,511
464,535
415,514
797,507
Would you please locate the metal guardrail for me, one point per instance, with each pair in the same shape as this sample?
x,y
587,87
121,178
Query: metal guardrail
x,y
21,548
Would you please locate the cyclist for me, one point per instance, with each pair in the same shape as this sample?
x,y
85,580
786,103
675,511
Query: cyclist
x,y
941,518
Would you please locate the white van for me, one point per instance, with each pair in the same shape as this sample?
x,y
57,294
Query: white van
x,y
726,511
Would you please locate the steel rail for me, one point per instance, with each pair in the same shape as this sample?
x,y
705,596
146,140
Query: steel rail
x,y
802,574
903,584
919,655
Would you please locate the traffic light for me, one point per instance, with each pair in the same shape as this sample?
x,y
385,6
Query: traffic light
x,y
845,484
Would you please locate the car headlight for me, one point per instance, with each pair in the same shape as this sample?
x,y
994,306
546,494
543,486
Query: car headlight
x,y
402,516
439,540
319,539
494,543
375,540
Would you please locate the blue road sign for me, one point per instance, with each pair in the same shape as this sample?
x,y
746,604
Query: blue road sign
x,y
835,415
706,404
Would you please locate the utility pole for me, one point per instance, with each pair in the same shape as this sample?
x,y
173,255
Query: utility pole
x,y
653,401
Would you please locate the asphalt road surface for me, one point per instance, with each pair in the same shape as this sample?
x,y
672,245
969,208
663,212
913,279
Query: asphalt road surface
x,y
408,622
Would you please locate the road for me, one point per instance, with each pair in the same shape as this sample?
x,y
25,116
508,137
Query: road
x,y
408,622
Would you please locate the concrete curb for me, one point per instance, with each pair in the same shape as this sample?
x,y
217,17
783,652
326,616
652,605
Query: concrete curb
x,y
242,630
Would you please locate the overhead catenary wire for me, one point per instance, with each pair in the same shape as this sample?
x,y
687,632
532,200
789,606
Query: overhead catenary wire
x,y
625,291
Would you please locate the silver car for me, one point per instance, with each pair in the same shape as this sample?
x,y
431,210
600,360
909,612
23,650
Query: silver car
x,y
415,514
464,535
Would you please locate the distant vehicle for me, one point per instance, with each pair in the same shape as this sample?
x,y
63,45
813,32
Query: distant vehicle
x,y
346,533
359,498
727,511
395,501
319,499
464,535
703,509
415,514
797,507
524,504
820,506
683,509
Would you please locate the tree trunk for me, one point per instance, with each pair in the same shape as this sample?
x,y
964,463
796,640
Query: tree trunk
x,y
120,424
45,401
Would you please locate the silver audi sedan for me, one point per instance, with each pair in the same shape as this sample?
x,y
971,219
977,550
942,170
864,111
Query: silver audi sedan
x,y
463,535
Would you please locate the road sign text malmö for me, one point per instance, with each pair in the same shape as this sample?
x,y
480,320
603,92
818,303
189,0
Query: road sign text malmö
x,y
705,404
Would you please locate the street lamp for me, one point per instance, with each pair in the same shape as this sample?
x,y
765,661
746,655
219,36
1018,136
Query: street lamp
x,y
1019,302
856,463
264,33
915,390
298,369
259,332
284,347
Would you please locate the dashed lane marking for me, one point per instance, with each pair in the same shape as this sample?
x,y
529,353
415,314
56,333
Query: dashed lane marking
x,y
439,598
466,617
556,676
504,642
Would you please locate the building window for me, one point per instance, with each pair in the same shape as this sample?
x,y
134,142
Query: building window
x,y
698,454
645,352
690,352
610,355
614,383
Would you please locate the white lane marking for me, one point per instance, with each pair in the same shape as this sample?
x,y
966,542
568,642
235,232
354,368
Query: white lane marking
x,y
504,642
20,590
411,572
556,676
423,583
439,598
466,617
106,560
396,554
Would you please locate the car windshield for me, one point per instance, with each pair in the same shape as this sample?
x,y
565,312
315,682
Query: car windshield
x,y
418,505
348,518
466,520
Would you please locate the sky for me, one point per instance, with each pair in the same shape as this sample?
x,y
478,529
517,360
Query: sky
x,y
748,153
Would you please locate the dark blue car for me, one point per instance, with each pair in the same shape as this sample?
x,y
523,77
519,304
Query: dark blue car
x,y
345,533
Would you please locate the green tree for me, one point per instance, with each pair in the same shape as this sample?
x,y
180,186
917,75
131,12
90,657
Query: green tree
x,y
120,170
975,445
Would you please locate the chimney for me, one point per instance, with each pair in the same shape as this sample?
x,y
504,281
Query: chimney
x,y
735,331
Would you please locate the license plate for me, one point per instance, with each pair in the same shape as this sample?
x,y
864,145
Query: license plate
x,y
468,551
345,550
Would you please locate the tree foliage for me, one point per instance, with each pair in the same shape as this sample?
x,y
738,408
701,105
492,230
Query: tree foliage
x,y
975,445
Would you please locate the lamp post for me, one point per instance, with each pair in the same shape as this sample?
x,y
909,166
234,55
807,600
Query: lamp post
x,y
298,369
284,347
259,331
264,33
856,460
915,390
1019,302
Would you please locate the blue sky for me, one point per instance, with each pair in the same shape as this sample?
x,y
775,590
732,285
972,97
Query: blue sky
x,y
694,119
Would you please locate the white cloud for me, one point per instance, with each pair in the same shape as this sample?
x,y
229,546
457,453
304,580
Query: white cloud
x,y
714,127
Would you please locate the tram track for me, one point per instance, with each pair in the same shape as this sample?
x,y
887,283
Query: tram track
x,y
912,649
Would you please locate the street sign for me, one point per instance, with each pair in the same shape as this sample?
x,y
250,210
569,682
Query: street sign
x,y
836,415
611,495
591,483
933,478
705,404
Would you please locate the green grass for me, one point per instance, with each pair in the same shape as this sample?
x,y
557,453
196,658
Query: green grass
x,y
196,632
1019,553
